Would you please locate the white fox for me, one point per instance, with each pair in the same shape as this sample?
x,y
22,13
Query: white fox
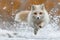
x,y
37,18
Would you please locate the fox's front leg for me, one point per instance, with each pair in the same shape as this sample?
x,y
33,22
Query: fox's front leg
x,y
41,25
35,29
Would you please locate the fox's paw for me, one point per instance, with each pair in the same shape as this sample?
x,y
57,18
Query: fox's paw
x,y
40,26
35,32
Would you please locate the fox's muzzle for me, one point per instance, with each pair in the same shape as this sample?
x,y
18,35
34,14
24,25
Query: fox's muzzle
x,y
37,17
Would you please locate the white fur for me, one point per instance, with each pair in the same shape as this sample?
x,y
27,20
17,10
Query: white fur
x,y
31,19
17,18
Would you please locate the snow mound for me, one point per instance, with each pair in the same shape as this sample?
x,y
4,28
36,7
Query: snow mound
x,y
24,31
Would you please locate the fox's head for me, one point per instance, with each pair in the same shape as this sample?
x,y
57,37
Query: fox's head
x,y
38,11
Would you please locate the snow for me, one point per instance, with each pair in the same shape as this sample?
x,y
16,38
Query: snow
x,y
23,32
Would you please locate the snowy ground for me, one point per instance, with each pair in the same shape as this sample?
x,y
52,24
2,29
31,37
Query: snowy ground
x,y
23,32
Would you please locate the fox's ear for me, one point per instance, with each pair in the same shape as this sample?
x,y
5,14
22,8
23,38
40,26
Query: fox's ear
x,y
42,6
32,7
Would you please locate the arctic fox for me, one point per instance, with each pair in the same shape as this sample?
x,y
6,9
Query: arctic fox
x,y
37,17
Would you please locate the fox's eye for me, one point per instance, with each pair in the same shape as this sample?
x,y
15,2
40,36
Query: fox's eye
x,y
40,13
35,13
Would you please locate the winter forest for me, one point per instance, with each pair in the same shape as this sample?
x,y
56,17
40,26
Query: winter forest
x,y
12,30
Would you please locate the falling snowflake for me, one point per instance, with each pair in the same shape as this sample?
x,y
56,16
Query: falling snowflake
x,y
12,3
4,7
59,3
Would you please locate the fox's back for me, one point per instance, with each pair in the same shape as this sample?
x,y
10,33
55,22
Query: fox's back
x,y
22,16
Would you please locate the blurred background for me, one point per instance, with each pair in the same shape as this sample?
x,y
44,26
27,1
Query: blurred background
x,y
9,8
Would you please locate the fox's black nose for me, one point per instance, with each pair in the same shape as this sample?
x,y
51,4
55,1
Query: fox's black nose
x,y
37,17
